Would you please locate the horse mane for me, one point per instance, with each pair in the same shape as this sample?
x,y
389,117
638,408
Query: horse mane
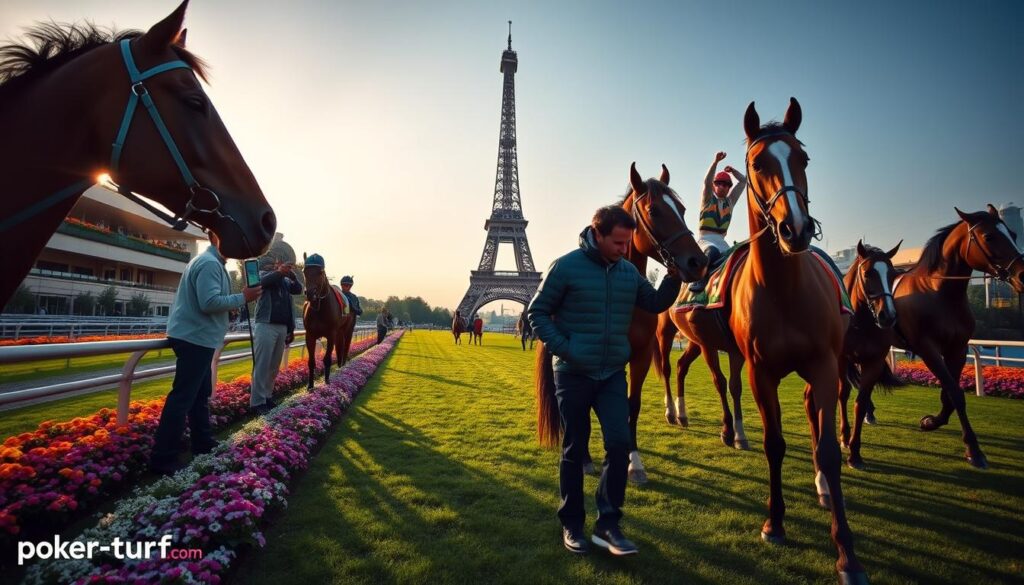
x,y
50,45
931,256
772,128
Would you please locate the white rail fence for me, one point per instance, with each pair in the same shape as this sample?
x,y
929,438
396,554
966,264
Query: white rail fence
x,y
975,347
138,348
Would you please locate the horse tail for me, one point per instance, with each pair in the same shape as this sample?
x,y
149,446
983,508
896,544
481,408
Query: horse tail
x,y
656,351
889,380
549,422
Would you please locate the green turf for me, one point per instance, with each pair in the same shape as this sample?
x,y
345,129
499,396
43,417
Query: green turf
x,y
28,418
434,476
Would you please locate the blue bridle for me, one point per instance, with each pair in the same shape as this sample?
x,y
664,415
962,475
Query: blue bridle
x,y
138,92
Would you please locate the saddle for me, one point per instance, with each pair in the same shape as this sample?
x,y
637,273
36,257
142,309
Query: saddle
x,y
342,300
715,294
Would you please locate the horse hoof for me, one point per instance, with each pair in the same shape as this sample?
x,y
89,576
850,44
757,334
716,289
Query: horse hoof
x,y
589,469
845,444
638,476
671,418
870,419
727,439
855,463
742,445
684,422
931,423
979,460
825,501
773,538
850,578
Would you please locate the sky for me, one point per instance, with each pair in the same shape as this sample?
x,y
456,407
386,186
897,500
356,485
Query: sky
x,y
372,127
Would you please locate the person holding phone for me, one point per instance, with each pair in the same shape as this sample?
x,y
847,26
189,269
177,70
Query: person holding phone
x,y
196,326
274,329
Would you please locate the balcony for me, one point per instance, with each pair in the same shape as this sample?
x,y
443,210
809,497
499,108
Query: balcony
x,y
94,279
87,231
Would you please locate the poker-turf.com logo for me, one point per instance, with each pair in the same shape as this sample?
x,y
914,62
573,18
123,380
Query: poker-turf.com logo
x,y
122,550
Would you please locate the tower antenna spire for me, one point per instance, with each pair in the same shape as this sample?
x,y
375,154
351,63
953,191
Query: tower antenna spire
x,y
510,35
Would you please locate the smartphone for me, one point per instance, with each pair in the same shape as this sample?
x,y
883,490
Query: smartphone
x,y
252,272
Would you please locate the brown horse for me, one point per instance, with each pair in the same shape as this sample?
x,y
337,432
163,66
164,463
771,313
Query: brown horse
x,y
323,316
869,282
784,312
661,234
458,327
935,320
63,102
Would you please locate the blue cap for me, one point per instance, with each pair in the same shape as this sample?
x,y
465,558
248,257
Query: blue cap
x,y
315,260
347,280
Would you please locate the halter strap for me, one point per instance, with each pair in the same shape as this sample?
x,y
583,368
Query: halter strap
x,y
663,251
1001,273
766,208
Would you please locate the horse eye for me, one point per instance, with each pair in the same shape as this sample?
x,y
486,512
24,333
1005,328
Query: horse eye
x,y
195,102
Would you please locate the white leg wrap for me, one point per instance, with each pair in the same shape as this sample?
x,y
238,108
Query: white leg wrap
x,y
822,484
634,460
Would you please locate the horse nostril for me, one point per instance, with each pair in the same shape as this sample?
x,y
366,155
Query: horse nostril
x,y
269,223
786,232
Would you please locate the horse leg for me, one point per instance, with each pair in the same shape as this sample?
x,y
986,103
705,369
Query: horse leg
x,y
327,359
845,387
311,360
718,378
955,360
820,484
690,353
766,393
870,374
823,384
736,390
639,364
664,365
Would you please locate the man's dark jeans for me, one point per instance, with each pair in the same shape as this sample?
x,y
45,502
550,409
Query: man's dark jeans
x,y
382,332
189,398
576,395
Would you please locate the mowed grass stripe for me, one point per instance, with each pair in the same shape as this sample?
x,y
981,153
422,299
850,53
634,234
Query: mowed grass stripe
x,y
434,476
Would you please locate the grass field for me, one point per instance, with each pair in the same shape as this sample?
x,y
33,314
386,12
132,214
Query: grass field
x,y
434,476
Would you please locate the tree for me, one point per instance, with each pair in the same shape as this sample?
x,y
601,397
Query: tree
x,y
85,304
22,301
138,305
107,300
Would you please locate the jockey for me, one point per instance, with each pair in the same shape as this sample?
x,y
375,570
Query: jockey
x,y
353,300
718,197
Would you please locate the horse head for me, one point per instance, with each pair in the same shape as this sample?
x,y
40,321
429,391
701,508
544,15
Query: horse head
x,y
776,169
661,229
874,278
178,152
992,247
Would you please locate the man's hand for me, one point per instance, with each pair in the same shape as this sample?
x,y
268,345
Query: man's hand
x,y
251,293
285,268
719,156
730,170
288,339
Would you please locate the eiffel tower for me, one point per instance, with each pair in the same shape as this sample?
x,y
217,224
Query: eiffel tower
x,y
506,224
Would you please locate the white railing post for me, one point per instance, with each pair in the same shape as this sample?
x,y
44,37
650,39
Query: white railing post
x,y
124,393
979,376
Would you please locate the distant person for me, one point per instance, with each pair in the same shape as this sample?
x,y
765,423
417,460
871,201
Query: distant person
x,y
196,326
478,329
274,329
582,312
383,322
719,196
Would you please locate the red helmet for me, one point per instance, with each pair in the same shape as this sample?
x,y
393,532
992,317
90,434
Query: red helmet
x,y
723,177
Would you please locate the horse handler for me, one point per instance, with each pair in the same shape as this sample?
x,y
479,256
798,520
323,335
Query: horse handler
x,y
582,312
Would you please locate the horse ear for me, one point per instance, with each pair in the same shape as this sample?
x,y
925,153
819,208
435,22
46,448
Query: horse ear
x,y
993,211
794,115
165,32
892,253
751,123
664,174
964,216
180,41
861,251
638,184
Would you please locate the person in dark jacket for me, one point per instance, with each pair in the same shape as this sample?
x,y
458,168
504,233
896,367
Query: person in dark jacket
x,y
582,312
274,329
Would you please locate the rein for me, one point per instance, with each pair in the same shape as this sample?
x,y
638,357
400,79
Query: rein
x,y
661,246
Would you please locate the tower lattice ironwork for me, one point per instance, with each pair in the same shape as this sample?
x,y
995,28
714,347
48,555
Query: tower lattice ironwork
x,y
506,224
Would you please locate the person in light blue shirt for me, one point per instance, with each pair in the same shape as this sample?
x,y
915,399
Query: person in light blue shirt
x,y
196,326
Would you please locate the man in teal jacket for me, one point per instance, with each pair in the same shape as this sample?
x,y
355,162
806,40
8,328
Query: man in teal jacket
x,y
582,312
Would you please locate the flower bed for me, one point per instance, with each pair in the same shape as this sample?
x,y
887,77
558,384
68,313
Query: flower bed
x,y
80,339
51,475
999,380
218,502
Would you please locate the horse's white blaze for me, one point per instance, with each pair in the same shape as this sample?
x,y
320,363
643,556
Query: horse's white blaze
x,y
883,273
781,151
671,201
821,483
1006,233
